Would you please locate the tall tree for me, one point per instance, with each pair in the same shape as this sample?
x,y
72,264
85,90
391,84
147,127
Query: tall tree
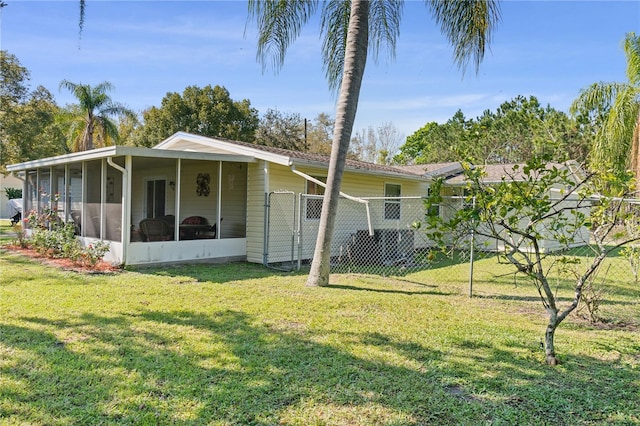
x,y
28,128
207,111
281,130
517,131
377,145
347,28
616,106
91,124
319,133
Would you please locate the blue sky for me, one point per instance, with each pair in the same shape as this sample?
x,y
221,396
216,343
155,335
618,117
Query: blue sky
x,y
548,49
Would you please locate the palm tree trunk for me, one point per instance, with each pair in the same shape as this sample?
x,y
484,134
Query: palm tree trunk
x,y
635,152
354,64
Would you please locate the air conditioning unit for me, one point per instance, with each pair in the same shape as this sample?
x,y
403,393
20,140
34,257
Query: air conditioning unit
x,y
384,247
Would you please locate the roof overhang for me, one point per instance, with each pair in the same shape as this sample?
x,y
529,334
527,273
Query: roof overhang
x,y
119,151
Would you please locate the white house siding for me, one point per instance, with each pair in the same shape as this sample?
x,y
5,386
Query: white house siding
x,y
352,216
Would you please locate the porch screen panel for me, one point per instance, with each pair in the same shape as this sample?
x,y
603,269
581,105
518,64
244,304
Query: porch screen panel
x,y
198,194
74,202
44,197
30,198
113,206
151,194
58,193
234,200
92,199
156,198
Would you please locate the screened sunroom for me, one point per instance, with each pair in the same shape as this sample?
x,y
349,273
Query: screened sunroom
x,y
151,206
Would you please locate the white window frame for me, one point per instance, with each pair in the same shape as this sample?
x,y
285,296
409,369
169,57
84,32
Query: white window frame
x,y
392,201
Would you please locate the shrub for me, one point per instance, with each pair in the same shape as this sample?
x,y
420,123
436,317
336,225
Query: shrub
x,y
13,193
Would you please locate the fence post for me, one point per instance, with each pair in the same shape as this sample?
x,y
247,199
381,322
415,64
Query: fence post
x,y
471,251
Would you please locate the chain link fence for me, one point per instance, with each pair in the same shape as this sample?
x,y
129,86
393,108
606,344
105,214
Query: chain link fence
x,y
384,236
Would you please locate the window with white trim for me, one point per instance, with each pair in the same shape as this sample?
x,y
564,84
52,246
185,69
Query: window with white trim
x,y
314,203
391,203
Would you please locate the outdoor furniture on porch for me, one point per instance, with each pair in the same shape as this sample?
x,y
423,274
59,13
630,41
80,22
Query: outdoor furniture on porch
x,y
155,230
197,227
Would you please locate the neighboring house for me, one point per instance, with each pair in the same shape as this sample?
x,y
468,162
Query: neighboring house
x,y
195,198
454,194
7,181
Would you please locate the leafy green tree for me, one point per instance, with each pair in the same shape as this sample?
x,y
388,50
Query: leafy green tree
x,y
540,203
207,111
14,80
319,133
615,107
347,28
90,122
28,127
517,131
34,131
128,126
281,130
437,143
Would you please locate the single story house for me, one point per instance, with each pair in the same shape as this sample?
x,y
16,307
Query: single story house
x,y
196,198
7,181
454,198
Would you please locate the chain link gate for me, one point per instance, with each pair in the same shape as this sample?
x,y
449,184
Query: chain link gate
x,y
280,248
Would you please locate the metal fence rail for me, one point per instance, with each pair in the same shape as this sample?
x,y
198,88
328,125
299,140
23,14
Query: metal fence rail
x,y
399,246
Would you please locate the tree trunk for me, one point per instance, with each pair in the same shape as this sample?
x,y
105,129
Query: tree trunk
x,y
355,59
549,345
635,151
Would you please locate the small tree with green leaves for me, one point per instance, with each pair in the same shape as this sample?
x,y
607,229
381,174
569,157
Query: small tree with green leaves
x,y
13,193
534,207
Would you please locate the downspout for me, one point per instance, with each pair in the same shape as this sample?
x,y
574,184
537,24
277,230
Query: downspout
x,y
126,194
342,194
265,235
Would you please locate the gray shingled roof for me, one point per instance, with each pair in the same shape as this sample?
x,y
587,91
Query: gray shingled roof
x,y
324,159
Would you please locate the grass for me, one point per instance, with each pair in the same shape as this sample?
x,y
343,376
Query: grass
x,y
241,345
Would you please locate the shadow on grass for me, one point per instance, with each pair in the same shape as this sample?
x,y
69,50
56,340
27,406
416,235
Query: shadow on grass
x,y
213,272
381,290
142,369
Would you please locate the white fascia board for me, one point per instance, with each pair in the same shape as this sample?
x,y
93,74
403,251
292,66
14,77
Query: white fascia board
x,y
116,151
221,144
64,159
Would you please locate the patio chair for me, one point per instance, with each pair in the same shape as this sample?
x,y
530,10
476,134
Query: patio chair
x,y
155,230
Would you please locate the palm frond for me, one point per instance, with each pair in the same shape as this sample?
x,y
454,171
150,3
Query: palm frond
x,y
279,24
600,96
632,51
384,26
468,25
334,26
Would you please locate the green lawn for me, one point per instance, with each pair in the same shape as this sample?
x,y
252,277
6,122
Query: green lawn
x,y
242,345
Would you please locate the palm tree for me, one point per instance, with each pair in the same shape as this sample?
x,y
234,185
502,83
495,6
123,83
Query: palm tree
x,y
347,28
90,123
616,109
